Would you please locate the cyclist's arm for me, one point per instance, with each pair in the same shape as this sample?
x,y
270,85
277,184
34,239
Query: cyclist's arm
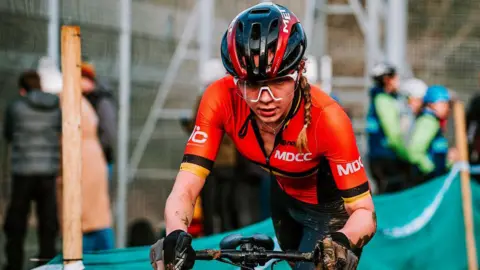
x,y
425,130
200,153
386,108
350,176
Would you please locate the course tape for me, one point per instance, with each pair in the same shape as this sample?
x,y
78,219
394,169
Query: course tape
x,y
424,218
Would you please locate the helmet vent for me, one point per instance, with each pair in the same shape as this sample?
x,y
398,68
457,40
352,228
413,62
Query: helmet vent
x,y
260,11
240,27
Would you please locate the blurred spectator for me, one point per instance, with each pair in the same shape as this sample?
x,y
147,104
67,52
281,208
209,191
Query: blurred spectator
x,y
141,233
103,102
386,150
33,130
473,130
412,92
428,147
96,214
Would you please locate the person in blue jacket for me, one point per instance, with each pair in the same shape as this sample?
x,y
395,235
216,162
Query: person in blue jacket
x,y
428,147
387,153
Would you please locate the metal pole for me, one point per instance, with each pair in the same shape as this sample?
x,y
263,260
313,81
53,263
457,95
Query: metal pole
x,y
359,15
319,32
204,35
326,73
397,34
53,30
123,120
309,19
372,48
372,45
177,58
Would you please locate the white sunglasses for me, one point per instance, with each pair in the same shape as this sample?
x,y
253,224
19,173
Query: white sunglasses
x,y
265,87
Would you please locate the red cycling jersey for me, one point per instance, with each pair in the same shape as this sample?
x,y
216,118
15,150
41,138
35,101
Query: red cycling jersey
x,y
332,168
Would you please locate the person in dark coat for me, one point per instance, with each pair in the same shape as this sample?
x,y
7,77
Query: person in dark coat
x,y
32,130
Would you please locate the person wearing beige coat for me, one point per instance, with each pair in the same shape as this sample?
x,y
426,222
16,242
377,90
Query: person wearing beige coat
x,y
96,211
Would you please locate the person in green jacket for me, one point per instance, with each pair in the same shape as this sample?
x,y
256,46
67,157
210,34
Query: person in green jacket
x,y
387,154
412,91
428,147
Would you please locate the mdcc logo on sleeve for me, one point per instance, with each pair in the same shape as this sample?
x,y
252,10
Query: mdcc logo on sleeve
x,y
198,136
350,168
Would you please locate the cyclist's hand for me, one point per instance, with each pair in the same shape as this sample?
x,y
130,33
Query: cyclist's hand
x,y
336,253
178,253
156,255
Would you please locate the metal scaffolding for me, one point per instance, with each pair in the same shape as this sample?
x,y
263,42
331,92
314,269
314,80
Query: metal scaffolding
x,y
53,30
123,120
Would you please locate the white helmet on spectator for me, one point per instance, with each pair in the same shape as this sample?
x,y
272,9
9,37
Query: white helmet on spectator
x,y
311,69
50,76
413,87
212,70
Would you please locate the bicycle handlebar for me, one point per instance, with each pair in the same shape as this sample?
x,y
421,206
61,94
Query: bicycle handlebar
x,y
253,256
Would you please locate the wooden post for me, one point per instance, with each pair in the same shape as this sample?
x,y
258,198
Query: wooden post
x,y
71,145
461,141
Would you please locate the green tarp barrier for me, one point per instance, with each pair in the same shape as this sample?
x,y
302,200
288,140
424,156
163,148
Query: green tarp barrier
x,y
420,228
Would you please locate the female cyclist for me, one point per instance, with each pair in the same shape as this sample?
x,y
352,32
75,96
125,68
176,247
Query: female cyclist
x,y
301,136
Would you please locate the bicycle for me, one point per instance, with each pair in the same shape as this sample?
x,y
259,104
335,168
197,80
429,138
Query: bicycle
x,y
250,252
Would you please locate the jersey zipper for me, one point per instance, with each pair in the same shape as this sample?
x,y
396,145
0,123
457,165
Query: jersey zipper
x,y
261,143
296,100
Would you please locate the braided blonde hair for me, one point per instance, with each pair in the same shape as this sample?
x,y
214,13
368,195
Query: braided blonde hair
x,y
302,142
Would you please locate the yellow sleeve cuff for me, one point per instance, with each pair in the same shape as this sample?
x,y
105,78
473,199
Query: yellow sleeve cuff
x,y
356,198
195,169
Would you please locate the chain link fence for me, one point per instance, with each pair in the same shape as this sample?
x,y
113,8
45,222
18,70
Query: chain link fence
x,y
443,47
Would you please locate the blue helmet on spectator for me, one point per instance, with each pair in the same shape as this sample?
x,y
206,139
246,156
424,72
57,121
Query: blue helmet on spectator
x,y
436,93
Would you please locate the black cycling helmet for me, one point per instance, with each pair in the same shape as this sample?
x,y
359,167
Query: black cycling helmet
x,y
256,31
381,70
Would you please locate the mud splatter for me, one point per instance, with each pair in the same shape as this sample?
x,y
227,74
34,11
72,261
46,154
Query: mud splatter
x,y
215,254
186,221
363,241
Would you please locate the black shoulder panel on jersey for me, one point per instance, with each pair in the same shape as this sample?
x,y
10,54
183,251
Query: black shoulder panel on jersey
x,y
198,160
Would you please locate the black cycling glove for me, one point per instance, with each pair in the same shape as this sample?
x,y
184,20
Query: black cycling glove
x,y
175,251
336,253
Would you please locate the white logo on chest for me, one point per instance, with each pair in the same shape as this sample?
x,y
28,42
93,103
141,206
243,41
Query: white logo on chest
x,y
287,156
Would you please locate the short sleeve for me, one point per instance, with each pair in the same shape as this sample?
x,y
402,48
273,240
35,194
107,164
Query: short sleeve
x,y
204,142
346,164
